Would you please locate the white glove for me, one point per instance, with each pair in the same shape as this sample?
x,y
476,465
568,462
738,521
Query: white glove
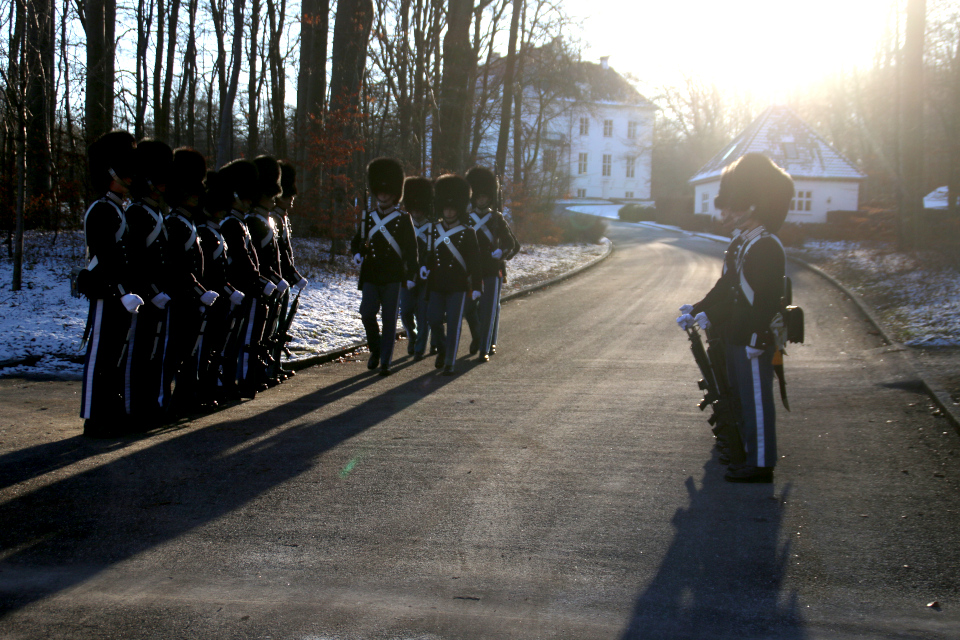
x,y
283,285
236,298
131,302
411,284
685,321
754,353
357,259
424,273
496,255
160,300
686,308
209,297
702,320
302,283
269,288
476,295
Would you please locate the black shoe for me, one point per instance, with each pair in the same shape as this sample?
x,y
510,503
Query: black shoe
x,y
474,347
100,428
417,356
438,363
493,349
484,357
748,473
434,350
448,371
374,360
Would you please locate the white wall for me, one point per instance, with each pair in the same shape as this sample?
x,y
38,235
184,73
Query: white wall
x,y
824,196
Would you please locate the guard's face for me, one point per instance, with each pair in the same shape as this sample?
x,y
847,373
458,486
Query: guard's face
x,y
483,201
731,219
385,199
450,214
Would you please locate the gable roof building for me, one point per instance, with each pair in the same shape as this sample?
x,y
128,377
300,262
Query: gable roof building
x,y
825,180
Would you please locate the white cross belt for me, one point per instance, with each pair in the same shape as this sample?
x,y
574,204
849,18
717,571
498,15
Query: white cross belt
x,y
480,224
380,226
444,237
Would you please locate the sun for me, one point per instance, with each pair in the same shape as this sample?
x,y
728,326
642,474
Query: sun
x,y
767,48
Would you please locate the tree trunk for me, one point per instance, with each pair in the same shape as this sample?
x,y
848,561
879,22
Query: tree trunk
x,y
457,62
97,107
161,116
225,141
40,67
311,89
253,97
911,98
507,100
278,86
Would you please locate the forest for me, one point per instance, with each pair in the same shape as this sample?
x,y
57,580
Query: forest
x,y
333,84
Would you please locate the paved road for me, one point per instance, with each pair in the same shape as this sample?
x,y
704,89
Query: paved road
x,y
566,489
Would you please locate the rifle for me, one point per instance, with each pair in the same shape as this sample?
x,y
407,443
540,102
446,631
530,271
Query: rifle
x,y
283,333
717,393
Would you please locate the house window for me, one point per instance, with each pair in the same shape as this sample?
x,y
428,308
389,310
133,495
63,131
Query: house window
x,y
802,201
629,194
705,202
584,126
582,165
631,167
631,130
607,128
607,163
790,151
581,193
549,159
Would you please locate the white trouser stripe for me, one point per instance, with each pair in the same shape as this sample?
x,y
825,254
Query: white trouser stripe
x,y
245,362
129,367
92,363
456,344
758,408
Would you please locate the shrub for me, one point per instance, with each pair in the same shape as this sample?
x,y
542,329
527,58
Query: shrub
x,y
580,227
637,213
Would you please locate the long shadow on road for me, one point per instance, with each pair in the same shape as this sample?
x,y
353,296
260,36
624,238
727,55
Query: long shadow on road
x,y
722,576
69,531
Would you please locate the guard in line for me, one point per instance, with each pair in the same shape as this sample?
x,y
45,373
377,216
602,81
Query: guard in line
x,y
745,301
147,240
418,202
288,269
263,232
385,249
243,345
494,239
451,267
106,283
190,298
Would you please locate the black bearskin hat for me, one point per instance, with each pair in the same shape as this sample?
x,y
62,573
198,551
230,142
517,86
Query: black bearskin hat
x,y
451,191
483,183
268,171
240,177
385,175
154,160
756,184
218,195
418,195
186,176
288,179
114,152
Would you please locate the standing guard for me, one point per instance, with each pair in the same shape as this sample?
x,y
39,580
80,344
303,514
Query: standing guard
x,y
216,203
756,194
107,285
288,269
241,179
494,240
190,298
385,249
418,201
263,232
508,254
451,267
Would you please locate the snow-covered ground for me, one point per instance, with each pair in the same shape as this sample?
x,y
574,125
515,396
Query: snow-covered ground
x,y
916,296
44,323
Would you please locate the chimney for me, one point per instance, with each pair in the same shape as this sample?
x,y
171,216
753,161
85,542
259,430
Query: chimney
x,y
605,62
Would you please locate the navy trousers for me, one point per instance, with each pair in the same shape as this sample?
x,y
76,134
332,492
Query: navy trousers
x,y
753,381
385,299
449,307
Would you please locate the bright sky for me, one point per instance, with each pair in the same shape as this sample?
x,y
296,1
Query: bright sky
x,y
765,47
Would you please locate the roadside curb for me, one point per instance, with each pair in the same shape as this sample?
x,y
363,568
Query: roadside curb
x,y
939,396
329,356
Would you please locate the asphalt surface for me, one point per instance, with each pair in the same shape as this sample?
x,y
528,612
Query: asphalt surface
x,y
566,489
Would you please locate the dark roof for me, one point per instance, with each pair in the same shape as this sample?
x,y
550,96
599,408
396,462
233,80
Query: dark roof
x,y
782,136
